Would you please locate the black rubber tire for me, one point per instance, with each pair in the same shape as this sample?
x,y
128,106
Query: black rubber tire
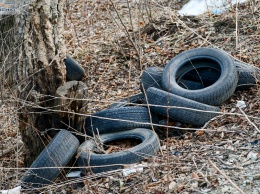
x,y
134,100
124,118
214,94
190,85
151,77
57,154
197,118
247,75
73,70
204,76
106,162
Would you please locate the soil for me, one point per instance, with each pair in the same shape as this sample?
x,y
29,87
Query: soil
x,y
115,42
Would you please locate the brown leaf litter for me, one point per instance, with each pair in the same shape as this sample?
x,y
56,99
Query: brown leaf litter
x,y
221,158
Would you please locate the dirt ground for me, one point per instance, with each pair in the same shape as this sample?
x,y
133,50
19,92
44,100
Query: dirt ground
x,y
115,41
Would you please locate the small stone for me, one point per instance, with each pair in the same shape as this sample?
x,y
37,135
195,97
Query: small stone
x,y
172,186
225,189
194,185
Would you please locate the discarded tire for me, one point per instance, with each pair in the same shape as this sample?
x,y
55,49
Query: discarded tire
x,y
183,110
58,153
247,75
73,70
137,99
190,85
202,75
105,162
151,77
191,60
118,119
207,76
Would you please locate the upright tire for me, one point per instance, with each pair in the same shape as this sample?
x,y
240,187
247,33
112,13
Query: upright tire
x,y
49,164
119,119
191,60
74,72
104,162
179,108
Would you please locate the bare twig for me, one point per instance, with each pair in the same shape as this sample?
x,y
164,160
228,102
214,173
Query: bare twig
x,y
126,31
223,174
150,115
249,120
9,150
237,37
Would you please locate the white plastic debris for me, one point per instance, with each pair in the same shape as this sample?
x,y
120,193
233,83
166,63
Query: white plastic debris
x,y
252,156
15,190
73,174
241,104
197,7
133,169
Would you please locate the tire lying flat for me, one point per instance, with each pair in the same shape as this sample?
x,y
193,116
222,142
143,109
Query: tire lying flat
x,y
247,75
57,154
106,162
214,94
118,119
137,99
180,112
151,77
190,85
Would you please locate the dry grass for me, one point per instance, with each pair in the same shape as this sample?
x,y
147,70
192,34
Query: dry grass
x,y
114,47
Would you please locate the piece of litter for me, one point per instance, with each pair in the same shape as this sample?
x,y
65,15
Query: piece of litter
x,y
241,104
217,11
74,174
137,168
252,156
255,142
176,153
197,7
154,179
15,190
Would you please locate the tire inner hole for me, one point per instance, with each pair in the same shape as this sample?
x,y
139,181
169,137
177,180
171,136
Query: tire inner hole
x,y
120,145
199,78
198,73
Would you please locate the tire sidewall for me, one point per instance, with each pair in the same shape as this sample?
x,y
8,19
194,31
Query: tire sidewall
x,y
225,63
149,146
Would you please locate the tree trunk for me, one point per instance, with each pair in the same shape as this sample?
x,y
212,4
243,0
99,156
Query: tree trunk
x,y
44,54
8,53
42,65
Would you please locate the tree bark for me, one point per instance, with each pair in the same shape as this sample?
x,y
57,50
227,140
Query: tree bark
x,y
42,66
8,53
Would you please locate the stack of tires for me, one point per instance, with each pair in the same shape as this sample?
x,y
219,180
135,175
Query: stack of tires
x,y
189,90
118,123
194,83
